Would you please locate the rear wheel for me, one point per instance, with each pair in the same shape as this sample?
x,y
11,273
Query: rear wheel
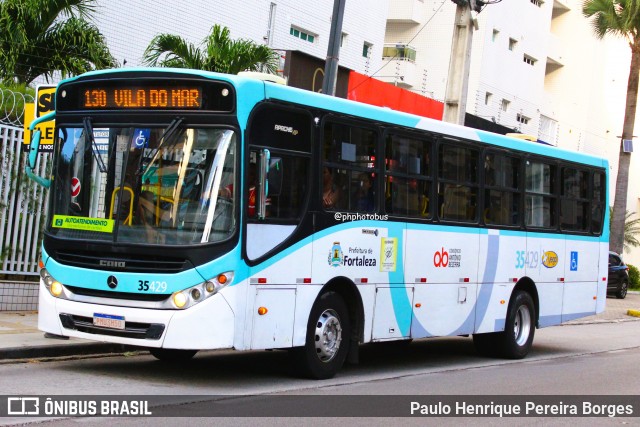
x,y
172,355
327,340
621,293
516,339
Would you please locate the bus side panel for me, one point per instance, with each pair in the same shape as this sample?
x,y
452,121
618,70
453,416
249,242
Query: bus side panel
x,y
500,266
272,285
581,262
368,254
544,261
443,266
603,274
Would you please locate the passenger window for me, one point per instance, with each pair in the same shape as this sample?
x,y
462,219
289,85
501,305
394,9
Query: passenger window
x,y
501,194
349,181
457,183
408,176
286,201
598,203
540,197
574,204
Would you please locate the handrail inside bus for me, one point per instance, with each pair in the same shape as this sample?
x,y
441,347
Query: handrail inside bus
x,y
33,150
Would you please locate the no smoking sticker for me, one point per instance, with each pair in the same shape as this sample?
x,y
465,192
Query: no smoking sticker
x,y
75,187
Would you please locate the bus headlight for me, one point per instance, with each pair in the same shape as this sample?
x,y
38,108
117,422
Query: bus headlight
x,y
191,296
54,287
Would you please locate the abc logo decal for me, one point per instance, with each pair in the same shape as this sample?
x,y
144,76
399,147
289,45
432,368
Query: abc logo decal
x,y
441,258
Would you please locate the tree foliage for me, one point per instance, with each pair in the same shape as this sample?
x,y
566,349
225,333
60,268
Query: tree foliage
x,y
42,37
631,230
217,52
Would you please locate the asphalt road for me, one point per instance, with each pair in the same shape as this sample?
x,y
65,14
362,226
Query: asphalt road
x,y
579,360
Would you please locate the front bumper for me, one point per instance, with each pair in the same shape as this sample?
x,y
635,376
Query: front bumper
x,y
207,325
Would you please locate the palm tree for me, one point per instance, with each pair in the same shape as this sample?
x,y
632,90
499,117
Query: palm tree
x,y
620,18
218,52
41,37
631,230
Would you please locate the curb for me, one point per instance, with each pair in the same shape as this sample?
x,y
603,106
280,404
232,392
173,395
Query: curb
x,y
634,313
63,350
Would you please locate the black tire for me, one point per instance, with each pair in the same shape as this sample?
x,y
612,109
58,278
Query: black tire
x,y
327,342
621,293
172,355
516,339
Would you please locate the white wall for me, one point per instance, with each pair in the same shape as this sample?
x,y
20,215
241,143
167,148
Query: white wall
x,y
130,26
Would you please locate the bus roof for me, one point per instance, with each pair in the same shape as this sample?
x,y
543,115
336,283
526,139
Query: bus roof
x,y
379,114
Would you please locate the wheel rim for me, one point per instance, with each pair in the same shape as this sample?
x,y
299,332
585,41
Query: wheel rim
x,y
623,290
328,335
522,325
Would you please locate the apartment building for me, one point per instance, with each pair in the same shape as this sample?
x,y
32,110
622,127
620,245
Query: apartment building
x,y
300,25
536,68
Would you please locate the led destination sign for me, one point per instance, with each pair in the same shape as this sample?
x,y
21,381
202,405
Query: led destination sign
x,y
148,97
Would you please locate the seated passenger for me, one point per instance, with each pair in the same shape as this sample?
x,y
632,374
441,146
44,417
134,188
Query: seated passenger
x,y
364,196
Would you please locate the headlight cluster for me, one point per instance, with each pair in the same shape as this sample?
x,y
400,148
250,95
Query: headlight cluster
x,y
200,292
54,287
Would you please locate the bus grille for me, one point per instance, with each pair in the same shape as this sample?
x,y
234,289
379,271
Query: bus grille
x,y
116,295
150,331
138,264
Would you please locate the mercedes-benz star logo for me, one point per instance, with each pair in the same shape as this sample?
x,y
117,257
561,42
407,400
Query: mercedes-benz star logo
x,y
112,282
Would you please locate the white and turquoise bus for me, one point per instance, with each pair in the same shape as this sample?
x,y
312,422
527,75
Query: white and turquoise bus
x,y
192,211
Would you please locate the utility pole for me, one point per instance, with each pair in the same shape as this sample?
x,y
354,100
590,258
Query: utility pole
x,y
455,98
331,64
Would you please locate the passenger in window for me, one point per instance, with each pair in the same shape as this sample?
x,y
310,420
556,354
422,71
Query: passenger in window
x,y
330,192
364,195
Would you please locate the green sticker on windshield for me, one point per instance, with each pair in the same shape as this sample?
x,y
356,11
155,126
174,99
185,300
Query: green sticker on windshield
x,y
81,223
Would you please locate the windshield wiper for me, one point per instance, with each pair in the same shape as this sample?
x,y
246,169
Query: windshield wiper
x,y
88,134
167,135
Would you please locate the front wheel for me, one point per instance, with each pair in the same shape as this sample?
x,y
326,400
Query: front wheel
x,y
327,340
622,290
172,355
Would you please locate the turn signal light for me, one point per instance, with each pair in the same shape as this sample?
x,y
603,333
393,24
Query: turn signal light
x,y
222,279
262,311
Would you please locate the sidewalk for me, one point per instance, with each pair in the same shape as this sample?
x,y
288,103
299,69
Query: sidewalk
x,y
20,338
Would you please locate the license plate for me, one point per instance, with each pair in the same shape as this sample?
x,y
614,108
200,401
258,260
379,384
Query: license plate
x,y
108,321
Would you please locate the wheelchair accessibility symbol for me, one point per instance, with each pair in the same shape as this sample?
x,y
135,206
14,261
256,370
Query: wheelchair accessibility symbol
x,y
574,261
141,138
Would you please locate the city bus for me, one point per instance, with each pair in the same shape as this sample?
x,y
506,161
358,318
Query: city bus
x,y
195,211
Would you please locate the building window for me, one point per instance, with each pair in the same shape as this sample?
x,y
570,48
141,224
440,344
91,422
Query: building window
x,y
494,36
538,3
529,60
512,43
366,49
522,119
343,39
487,98
304,35
505,105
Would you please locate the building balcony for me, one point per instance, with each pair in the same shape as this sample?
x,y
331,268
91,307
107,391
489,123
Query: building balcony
x,y
401,59
555,53
406,12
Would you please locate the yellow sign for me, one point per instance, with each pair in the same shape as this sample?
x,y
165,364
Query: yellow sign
x,y
388,253
81,223
45,104
549,259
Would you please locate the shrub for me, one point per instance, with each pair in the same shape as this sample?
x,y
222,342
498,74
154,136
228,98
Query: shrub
x,y
634,276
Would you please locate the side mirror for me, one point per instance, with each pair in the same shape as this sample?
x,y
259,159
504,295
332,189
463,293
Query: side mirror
x,y
33,150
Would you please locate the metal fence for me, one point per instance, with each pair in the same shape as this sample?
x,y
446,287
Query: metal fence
x,y
23,205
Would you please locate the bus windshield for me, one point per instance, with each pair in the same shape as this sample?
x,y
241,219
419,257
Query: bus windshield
x,y
154,185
